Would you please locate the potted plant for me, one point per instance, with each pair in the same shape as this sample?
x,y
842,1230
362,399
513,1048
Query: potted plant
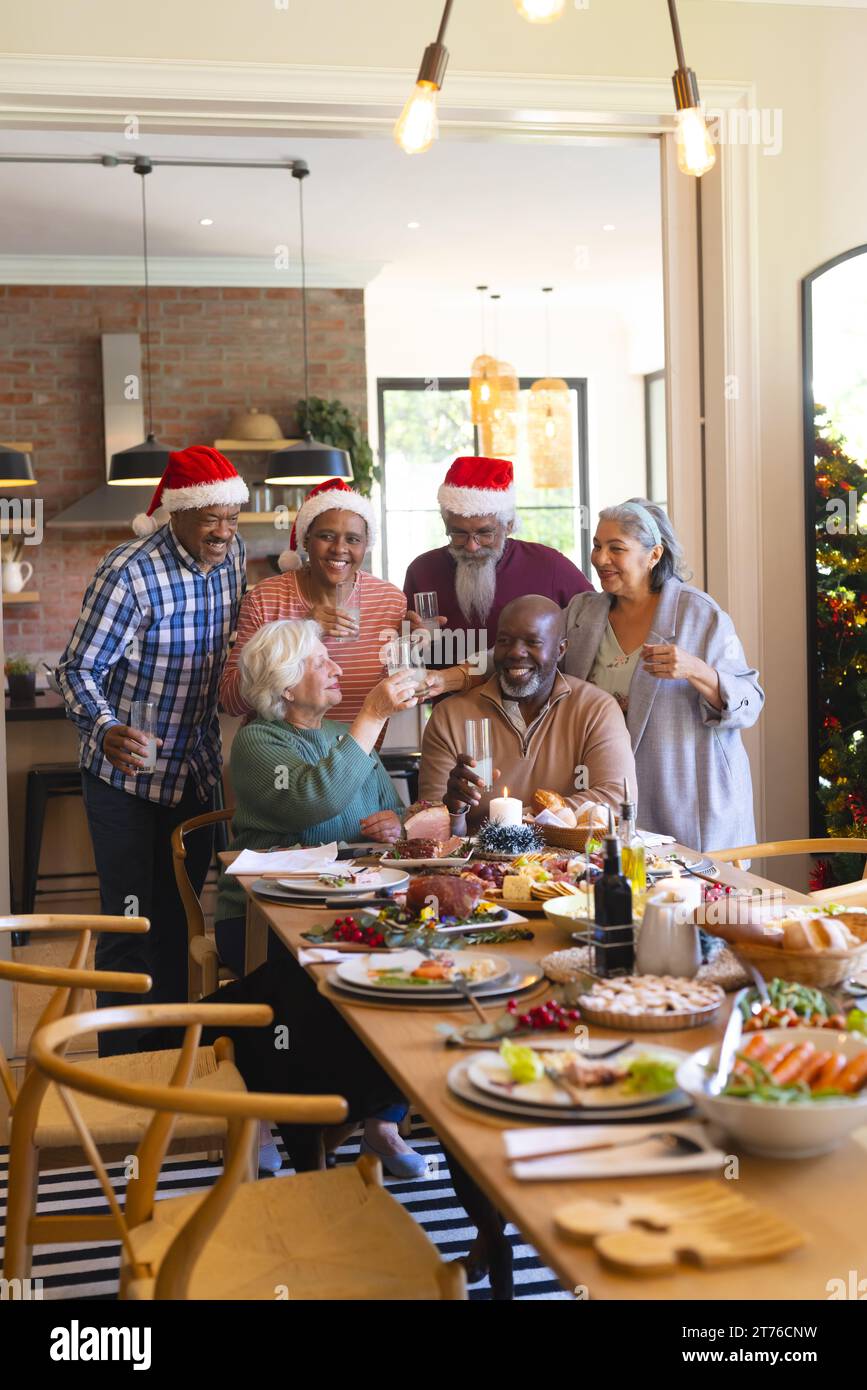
x,y
21,674
332,422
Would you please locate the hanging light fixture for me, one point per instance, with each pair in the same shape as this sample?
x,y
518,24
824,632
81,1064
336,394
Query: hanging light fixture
x,y
540,11
549,421
484,376
498,432
142,464
309,461
16,470
418,125
695,151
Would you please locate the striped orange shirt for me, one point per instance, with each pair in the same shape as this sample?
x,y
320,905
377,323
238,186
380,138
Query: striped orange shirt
x,y
382,611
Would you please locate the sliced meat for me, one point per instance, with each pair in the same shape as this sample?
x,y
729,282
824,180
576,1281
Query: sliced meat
x,y
456,897
426,820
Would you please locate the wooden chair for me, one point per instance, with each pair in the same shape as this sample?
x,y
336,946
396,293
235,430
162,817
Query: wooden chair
x,y
205,970
315,1236
42,1134
852,893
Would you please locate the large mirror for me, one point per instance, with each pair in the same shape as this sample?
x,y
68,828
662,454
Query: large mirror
x,y
835,443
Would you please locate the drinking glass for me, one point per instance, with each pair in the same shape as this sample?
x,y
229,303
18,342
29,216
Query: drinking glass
x,y
477,745
427,608
403,654
349,602
143,718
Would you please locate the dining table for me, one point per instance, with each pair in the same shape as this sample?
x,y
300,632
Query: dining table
x,y
822,1195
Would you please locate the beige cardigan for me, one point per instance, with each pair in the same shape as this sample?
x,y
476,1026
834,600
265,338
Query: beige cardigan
x,y
583,727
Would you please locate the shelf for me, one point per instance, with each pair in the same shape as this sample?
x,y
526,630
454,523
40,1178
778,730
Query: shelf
x,y
25,596
267,519
250,446
16,444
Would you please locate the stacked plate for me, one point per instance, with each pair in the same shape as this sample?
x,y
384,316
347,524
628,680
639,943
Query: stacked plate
x,y
483,1080
314,892
389,978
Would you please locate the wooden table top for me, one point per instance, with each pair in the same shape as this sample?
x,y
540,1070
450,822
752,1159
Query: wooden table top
x,y
819,1195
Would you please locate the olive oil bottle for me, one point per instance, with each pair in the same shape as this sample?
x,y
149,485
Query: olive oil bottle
x,y
613,932
632,851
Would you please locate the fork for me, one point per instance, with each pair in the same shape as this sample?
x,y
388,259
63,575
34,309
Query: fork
x,y
674,1143
462,985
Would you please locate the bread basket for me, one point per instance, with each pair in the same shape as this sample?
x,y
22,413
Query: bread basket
x,y
821,969
564,837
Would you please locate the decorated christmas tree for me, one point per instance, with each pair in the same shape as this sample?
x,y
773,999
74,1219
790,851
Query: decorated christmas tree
x,y
841,641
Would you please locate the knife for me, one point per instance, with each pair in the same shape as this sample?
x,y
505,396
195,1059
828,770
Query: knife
x,y
730,1044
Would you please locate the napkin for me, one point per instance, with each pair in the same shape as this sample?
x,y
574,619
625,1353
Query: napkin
x,y
283,861
548,818
650,837
318,955
636,1160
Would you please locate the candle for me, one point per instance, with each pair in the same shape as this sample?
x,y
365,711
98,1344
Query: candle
x,y
685,892
505,809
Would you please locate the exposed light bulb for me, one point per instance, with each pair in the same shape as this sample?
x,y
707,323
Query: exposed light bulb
x,y
484,393
550,428
695,151
540,11
417,126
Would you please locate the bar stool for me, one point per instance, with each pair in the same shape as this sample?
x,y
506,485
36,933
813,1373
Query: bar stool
x,y
45,781
402,765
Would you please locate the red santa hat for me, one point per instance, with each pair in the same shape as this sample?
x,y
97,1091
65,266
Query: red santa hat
x,y
325,497
479,487
194,477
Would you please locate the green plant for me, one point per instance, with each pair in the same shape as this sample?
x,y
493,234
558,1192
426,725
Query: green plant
x,y
19,666
332,422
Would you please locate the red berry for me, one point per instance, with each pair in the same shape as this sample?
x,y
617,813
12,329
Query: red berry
x,y
563,1026
524,1020
512,1005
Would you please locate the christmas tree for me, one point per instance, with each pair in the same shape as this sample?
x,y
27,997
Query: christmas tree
x,y
841,640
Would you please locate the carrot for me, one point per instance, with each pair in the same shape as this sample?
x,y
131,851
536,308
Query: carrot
x,y
837,1021
814,1066
854,1074
756,1047
785,1073
778,1053
831,1070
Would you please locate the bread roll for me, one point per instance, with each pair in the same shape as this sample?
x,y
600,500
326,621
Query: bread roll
x,y
816,934
592,816
547,801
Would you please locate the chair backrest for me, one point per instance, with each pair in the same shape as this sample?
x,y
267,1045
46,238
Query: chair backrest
x,y
241,1109
68,982
775,849
189,898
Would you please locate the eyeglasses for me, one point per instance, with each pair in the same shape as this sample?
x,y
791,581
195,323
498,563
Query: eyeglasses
x,y
486,537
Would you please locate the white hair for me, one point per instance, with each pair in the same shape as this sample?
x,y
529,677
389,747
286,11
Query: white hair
x,y
273,661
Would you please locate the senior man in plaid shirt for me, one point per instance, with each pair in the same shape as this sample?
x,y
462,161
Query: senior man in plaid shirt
x,y
156,624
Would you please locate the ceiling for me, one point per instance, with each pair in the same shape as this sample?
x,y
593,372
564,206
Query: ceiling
x,y
512,216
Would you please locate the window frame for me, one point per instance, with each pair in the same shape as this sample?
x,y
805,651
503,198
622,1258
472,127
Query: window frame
x,y
457,383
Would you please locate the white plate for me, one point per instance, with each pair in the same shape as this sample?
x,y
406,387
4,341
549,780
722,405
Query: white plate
x,y
374,881
460,1085
448,862
520,978
356,970
489,1073
511,919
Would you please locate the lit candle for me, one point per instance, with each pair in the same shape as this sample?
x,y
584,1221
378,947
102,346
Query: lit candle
x,y
505,809
685,892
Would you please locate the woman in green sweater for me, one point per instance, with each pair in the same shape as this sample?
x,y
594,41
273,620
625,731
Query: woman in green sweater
x,y
299,776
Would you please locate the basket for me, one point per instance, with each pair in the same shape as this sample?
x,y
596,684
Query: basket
x,y
822,969
562,837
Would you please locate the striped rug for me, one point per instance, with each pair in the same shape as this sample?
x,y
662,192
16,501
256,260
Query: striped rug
x,y
90,1272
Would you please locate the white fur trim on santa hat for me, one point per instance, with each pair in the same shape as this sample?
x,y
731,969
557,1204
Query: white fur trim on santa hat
x,y
477,501
228,492
336,499
144,525
289,560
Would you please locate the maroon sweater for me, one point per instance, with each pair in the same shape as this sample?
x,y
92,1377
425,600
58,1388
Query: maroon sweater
x,y
524,568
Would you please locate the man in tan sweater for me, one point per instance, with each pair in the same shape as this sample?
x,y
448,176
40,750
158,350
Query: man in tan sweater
x,y
547,730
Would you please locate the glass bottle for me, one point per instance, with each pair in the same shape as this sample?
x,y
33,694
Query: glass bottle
x,y
632,852
613,932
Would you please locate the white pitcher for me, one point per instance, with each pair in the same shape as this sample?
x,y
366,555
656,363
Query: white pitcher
x,y
667,944
14,577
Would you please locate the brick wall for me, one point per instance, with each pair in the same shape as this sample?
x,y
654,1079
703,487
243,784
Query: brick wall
x,y
213,350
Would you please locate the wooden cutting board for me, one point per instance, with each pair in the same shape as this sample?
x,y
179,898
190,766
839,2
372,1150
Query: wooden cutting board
x,y
705,1223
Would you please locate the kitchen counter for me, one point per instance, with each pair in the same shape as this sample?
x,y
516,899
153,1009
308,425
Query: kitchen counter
x,y
48,705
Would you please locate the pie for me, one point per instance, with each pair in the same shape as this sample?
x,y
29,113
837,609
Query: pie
x,y
654,995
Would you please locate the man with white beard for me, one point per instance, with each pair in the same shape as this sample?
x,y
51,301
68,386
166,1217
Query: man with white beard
x,y
483,567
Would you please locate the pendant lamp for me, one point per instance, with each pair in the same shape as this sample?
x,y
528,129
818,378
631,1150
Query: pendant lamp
x,y
484,376
309,461
142,464
418,124
498,432
16,470
549,422
695,152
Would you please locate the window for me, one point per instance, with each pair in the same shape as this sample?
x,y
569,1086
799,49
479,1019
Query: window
x,y
423,426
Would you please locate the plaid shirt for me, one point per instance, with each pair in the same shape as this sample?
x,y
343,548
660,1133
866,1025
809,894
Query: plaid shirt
x,y
154,626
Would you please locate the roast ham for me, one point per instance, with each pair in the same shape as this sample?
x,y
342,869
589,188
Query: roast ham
x,y
427,820
456,896
427,849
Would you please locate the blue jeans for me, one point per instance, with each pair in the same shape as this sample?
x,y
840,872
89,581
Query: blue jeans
x,y
133,852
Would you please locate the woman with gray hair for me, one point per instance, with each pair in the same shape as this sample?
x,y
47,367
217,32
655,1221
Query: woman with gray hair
x,y
672,659
300,776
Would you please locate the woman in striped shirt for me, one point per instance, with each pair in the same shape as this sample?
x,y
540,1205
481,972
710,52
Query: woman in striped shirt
x,y
335,526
